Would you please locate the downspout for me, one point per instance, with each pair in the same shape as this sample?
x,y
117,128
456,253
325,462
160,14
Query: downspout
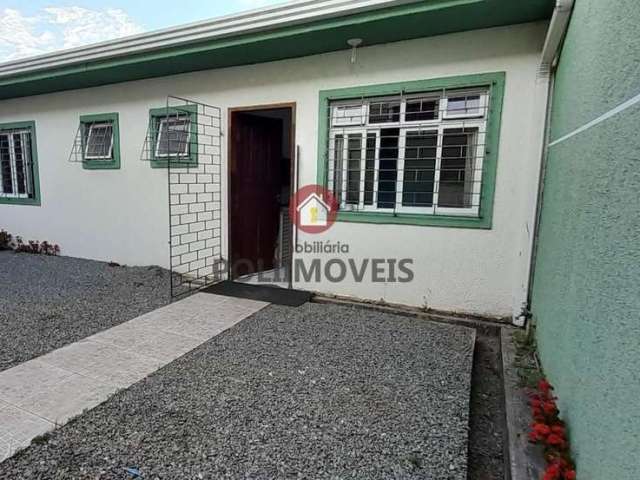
x,y
548,63
555,35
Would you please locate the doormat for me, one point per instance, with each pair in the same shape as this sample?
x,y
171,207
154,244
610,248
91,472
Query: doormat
x,y
275,295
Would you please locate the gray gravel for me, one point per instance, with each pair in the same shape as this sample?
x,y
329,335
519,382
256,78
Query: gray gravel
x,y
48,302
319,391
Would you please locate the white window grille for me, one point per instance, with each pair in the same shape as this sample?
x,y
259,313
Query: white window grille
x,y
173,136
98,141
420,153
16,164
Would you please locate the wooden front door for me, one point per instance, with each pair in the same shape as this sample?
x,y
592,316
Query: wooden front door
x,y
256,156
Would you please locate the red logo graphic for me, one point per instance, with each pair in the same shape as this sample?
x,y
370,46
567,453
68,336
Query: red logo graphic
x,y
313,209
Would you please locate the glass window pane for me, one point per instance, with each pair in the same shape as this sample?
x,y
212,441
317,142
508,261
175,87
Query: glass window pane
x,y
370,164
19,164
99,141
419,168
5,164
457,168
384,112
173,137
464,105
338,165
354,155
388,171
421,109
348,115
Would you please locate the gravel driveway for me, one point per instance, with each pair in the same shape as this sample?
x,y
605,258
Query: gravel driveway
x,y
319,391
48,302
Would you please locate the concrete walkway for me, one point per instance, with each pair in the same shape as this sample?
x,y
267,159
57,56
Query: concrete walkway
x,y
42,394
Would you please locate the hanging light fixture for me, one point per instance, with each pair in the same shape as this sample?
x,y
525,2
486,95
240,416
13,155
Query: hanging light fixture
x,y
354,43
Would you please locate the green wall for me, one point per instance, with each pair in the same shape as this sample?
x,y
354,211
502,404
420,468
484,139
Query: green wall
x,y
586,291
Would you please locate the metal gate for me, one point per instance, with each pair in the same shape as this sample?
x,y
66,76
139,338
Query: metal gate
x,y
185,138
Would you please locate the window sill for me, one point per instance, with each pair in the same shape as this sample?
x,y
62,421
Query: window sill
x,y
101,165
415,219
161,163
20,201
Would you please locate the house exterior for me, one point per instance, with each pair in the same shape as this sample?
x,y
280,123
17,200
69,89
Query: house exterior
x,y
430,135
431,139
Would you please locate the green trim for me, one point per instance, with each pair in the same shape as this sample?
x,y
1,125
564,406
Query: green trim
x,y
114,163
496,83
155,114
37,199
405,22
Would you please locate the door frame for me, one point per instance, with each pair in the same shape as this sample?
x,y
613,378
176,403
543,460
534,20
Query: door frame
x,y
231,159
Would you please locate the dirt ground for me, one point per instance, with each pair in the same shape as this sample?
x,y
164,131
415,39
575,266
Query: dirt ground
x,y
487,420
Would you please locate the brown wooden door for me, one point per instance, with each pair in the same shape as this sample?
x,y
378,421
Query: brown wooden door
x,y
256,158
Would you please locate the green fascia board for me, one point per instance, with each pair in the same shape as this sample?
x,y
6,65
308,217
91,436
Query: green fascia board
x,y
155,114
37,199
495,81
114,163
414,20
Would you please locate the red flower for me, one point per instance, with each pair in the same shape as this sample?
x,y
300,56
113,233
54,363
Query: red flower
x,y
558,430
570,475
552,472
549,407
544,386
541,429
533,437
556,441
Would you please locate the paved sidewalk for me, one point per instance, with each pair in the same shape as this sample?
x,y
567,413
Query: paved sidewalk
x,y
41,394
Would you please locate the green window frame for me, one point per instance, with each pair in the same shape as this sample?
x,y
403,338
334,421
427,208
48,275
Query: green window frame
x,y
494,82
33,198
86,121
155,117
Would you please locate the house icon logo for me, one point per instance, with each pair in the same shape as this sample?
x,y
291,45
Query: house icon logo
x,y
313,212
313,209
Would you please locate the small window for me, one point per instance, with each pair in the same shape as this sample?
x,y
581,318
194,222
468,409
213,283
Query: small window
x,y
384,112
347,115
18,164
100,144
422,109
465,105
173,137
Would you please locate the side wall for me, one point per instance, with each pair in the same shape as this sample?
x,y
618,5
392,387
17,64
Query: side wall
x,y
587,277
121,215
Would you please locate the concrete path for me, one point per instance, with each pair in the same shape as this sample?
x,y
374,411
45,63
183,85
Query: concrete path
x,y
44,393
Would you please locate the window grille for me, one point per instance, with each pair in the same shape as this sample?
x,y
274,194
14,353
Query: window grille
x,y
96,143
173,136
184,137
416,153
16,164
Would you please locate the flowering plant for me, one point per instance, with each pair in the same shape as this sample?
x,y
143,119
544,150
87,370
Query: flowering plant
x,y
548,430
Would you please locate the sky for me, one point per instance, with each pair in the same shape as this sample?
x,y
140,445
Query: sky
x,y
34,27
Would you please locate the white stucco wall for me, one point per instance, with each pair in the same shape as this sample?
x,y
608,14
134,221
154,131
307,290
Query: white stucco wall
x,y
122,215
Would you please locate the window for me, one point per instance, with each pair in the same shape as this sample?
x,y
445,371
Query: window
x,y
100,143
18,164
412,153
173,137
174,133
